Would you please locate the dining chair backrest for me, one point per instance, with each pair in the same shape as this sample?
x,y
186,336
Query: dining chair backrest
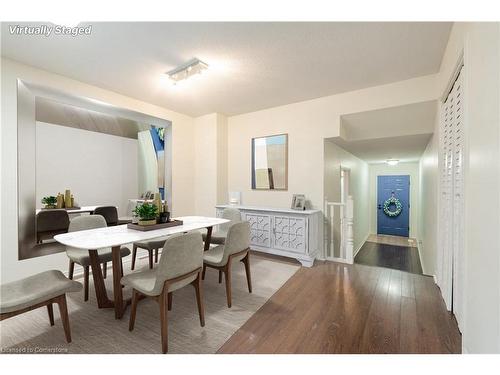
x,y
87,222
181,255
237,240
52,220
110,214
232,214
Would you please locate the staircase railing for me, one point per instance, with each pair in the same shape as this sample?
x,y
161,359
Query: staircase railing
x,y
339,233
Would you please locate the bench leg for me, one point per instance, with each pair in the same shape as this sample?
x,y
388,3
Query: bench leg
x,y
63,311
50,310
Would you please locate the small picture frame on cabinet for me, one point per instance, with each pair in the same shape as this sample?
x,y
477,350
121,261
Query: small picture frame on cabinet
x,y
299,202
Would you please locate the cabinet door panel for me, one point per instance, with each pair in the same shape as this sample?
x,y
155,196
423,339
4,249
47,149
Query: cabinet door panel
x,y
260,229
289,233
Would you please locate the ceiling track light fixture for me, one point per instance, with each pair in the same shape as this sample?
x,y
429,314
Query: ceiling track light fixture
x,y
189,69
392,161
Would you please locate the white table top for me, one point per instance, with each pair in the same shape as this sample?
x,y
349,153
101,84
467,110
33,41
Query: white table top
x,y
121,235
80,210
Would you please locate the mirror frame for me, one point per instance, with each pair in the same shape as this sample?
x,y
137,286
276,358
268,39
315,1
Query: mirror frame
x,y
26,157
253,163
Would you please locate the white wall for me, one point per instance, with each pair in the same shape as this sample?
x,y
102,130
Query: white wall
x,y
210,171
182,159
335,158
307,125
100,169
428,203
482,180
384,169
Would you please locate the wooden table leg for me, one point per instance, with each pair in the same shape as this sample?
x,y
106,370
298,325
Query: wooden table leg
x,y
208,238
117,287
100,289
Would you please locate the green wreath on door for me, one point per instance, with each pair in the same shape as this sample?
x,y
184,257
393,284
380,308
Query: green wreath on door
x,y
387,206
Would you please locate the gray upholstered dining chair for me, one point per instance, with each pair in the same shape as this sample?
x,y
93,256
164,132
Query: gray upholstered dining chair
x,y
229,213
180,264
110,214
153,245
33,292
235,248
82,257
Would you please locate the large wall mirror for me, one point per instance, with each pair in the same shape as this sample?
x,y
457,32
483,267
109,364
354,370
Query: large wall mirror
x,y
105,155
270,162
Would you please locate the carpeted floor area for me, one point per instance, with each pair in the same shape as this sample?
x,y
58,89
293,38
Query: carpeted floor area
x,y
96,330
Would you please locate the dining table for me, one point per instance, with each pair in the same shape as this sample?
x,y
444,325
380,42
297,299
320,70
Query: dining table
x,y
115,237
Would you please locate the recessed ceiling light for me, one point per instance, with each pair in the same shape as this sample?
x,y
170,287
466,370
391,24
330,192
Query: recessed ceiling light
x,y
189,69
392,161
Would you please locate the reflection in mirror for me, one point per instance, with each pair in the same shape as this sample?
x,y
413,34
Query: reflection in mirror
x,y
85,156
270,162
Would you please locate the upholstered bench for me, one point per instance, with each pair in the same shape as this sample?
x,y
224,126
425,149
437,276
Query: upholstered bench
x,y
36,291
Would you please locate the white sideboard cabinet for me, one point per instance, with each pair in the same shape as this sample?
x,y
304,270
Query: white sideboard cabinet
x,y
285,232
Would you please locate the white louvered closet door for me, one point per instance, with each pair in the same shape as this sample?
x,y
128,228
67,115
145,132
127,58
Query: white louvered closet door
x,y
458,201
451,205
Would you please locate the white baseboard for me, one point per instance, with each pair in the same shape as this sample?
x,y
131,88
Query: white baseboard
x,y
421,258
464,348
360,246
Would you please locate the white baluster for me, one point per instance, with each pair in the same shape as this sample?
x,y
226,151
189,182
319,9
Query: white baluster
x,y
349,235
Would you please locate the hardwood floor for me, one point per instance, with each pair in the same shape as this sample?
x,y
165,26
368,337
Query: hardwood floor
x,y
402,258
338,308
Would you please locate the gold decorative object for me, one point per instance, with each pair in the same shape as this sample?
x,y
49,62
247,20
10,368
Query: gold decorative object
x,y
157,202
60,201
67,198
72,201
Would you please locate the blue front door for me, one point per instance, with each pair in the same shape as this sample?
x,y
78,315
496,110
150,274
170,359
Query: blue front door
x,y
399,188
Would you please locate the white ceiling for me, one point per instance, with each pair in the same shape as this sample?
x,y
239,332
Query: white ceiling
x,y
407,148
252,66
400,132
411,119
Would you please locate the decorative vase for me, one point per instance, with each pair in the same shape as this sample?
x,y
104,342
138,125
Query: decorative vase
x,y
164,217
147,222
60,200
157,203
50,206
67,198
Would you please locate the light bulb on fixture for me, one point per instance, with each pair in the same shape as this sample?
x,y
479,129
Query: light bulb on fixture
x,y
392,161
185,71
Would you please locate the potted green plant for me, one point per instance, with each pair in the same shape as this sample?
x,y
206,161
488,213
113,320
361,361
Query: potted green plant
x,y
50,201
147,213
